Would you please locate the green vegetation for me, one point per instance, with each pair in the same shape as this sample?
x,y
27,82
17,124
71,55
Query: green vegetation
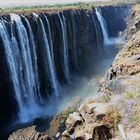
x,y
105,98
131,95
118,119
58,7
135,119
138,1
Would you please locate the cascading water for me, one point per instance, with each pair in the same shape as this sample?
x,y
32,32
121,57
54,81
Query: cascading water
x,y
49,62
107,40
25,73
50,38
12,65
34,56
97,33
43,51
54,77
65,46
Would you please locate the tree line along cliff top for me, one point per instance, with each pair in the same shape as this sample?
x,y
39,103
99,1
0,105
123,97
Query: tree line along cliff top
x,y
58,7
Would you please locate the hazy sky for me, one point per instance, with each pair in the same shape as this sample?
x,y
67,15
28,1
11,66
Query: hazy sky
x,y
10,3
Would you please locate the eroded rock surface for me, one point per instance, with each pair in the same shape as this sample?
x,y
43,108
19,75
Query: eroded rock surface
x,y
94,122
29,134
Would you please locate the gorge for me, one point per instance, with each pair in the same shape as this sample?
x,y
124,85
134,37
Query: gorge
x,y
41,52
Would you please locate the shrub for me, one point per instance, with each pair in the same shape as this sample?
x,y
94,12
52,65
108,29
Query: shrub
x,y
138,1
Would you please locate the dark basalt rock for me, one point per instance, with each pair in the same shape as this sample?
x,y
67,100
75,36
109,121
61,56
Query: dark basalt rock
x,y
81,26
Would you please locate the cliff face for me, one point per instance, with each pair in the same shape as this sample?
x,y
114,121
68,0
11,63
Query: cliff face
x,y
40,52
79,38
115,113
122,79
98,117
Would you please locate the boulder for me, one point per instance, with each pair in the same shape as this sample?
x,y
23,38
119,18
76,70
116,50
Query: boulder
x,y
82,110
79,133
92,112
65,134
101,132
100,110
89,131
73,120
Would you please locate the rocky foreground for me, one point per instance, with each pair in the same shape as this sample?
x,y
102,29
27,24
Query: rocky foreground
x,y
114,113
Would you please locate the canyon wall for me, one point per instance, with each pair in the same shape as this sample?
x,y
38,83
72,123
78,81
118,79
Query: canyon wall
x,y
39,53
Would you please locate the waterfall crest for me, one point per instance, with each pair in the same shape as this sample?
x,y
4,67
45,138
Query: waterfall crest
x,y
42,53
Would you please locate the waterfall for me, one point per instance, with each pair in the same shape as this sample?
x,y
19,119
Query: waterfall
x,y
50,38
12,67
56,84
49,60
41,54
97,33
27,84
75,54
20,51
21,55
65,46
34,57
107,40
